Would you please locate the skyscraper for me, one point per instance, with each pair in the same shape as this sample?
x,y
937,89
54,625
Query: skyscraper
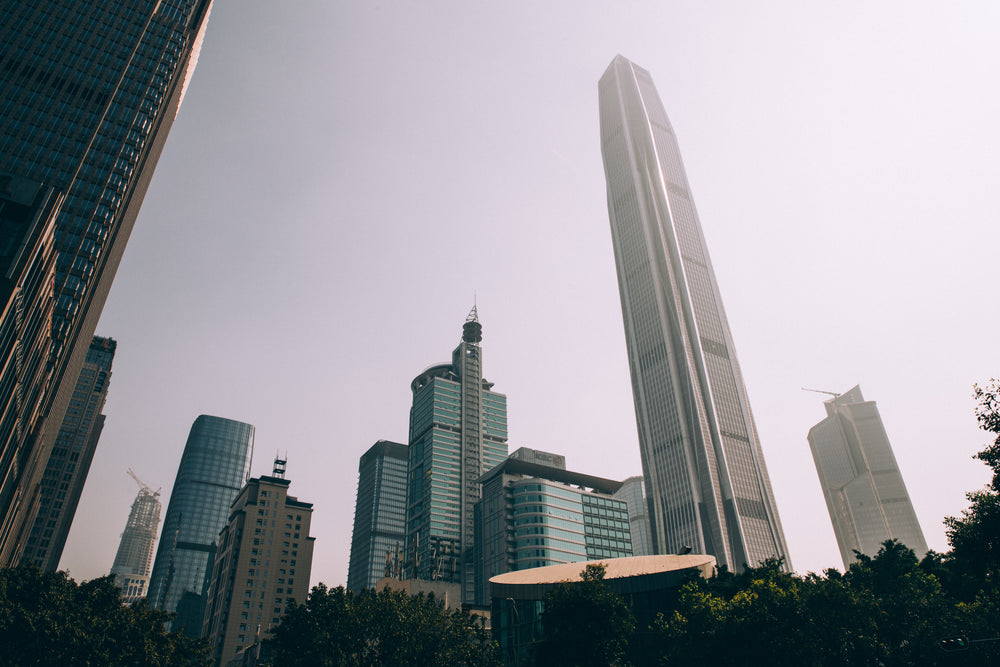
x,y
458,430
214,467
861,482
263,563
69,463
379,514
134,559
701,458
88,92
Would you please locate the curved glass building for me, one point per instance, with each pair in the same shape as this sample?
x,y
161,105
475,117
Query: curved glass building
x,y
214,467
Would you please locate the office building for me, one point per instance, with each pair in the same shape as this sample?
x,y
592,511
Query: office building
x,y
458,430
263,562
533,515
134,559
88,91
638,515
213,469
861,482
379,515
69,463
702,462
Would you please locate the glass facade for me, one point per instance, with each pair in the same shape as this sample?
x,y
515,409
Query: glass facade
x,y
214,466
69,463
702,462
379,515
88,92
458,430
861,482
533,515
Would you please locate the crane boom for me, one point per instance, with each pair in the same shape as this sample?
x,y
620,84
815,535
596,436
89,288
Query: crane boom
x,y
820,391
146,487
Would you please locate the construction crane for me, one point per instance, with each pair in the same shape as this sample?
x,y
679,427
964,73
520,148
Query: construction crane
x,y
820,391
145,487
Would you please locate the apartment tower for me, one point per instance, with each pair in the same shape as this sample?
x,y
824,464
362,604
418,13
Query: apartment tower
x,y
704,469
458,431
214,467
861,482
379,515
88,91
263,562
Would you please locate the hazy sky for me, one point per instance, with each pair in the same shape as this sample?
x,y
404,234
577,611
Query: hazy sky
x,y
345,177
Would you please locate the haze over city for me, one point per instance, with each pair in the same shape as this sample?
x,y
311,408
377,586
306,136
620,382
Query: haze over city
x,y
344,181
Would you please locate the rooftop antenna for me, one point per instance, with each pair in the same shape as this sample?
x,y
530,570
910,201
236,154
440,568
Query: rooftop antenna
x,y
820,391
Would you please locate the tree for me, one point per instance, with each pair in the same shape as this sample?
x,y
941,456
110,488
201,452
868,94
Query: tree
x,y
46,618
586,624
338,627
975,536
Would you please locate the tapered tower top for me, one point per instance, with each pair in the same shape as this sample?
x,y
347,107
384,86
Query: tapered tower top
x,y
472,330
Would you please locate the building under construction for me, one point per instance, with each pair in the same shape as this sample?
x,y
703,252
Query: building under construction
x,y
135,552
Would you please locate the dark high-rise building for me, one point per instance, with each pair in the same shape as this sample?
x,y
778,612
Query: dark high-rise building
x,y
69,463
861,481
214,467
88,92
263,562
535,513
379,515
458,430
704,469
134,559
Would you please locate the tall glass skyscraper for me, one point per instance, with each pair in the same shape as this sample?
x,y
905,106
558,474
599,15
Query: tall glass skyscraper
x,y
458,431
67,468
379,514
705,477
861,481
214,467
88,92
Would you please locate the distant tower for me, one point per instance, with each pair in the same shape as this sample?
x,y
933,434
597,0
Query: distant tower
x,y
704,469
214,467
638,515
67,468
263,562
861,482
134,559
379,515
458,431
88,92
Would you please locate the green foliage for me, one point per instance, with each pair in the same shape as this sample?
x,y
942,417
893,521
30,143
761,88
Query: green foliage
x,y
585,623
48,619
338,627
975,536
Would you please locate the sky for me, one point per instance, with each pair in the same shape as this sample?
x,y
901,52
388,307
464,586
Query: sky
x,y
346,179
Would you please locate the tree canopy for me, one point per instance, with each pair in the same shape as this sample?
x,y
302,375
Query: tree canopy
x,y
342,628
586,624
46,618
